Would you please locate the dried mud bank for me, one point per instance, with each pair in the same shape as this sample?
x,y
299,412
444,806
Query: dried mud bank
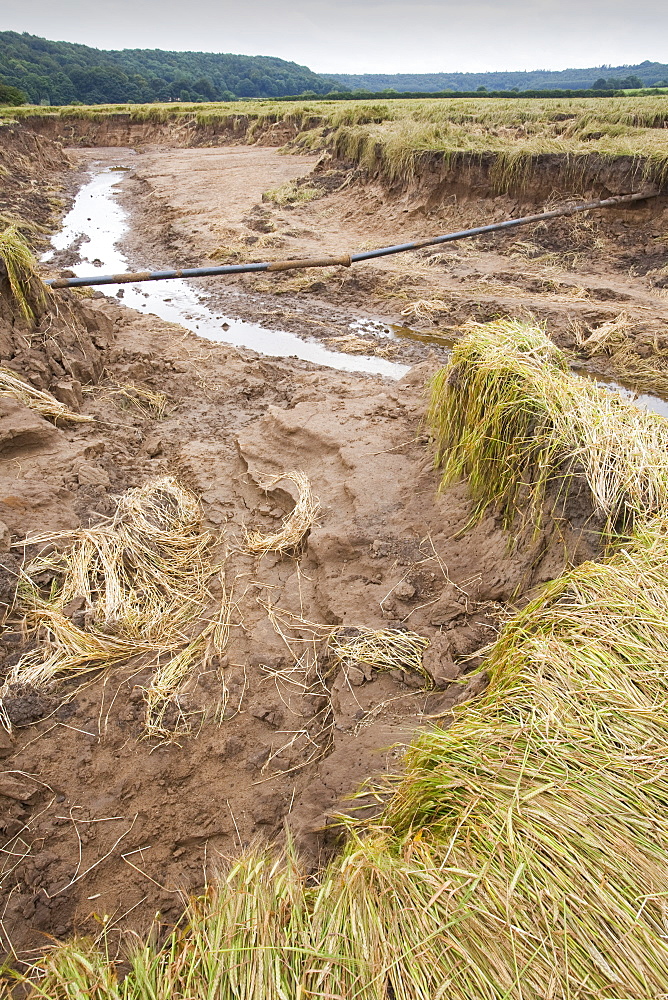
x,y
124,130
30,178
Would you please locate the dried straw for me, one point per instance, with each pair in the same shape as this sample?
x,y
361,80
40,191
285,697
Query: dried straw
x,y
425,309
145,400
384,649
135,584
296,525
163,697
12,385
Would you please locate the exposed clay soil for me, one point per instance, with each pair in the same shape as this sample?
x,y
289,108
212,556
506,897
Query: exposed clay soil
x,y
111,824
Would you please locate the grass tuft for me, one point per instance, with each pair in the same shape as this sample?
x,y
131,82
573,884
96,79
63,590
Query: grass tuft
x,y
292,193
18,265
507,413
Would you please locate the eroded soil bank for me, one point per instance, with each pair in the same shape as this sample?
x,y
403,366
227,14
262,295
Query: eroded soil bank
x,y
96,819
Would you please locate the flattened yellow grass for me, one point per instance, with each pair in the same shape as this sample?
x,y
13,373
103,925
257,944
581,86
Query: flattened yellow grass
x,y
295,526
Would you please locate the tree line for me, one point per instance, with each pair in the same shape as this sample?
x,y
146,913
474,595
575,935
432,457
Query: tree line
x,y
645,74
39,71
48,72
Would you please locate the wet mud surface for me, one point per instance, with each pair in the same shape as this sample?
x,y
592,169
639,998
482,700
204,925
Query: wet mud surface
x,y
574,274
97,821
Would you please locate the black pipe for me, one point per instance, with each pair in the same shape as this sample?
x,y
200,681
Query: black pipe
x,y
347,259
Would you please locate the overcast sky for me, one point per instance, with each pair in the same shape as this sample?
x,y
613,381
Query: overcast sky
x,y
373,36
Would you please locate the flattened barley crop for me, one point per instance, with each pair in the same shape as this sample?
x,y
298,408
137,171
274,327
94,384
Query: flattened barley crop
x,y
133,584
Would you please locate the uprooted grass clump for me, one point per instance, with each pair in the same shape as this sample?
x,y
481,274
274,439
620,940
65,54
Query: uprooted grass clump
x,y
524,854
508,414
292,193
133,584
18,265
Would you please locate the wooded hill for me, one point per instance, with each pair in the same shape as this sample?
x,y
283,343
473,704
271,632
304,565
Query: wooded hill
x,y
49,72
62,72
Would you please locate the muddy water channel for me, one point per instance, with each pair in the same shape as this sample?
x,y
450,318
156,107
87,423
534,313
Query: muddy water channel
x,y
93,236
94,230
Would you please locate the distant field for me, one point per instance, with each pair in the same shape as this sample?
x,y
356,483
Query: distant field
x,y
393,136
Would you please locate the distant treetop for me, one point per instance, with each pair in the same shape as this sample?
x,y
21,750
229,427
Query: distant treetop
x,y
646,74
39,71
65,73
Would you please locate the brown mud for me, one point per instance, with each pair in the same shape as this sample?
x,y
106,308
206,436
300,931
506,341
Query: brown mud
x,y
95,820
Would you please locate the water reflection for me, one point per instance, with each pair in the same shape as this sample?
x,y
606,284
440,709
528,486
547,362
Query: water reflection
x,y
94,228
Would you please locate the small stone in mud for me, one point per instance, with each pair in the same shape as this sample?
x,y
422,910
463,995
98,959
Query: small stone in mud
x,y
466,639
25,705
438,662
259,759
20,791
266,713
404,591
232,747
445,611
268,809
153,446
355,676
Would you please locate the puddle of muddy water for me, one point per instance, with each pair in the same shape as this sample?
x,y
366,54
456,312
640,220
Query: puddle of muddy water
x,y
95,227
644,401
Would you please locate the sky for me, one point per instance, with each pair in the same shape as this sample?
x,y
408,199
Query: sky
x,y
367,36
